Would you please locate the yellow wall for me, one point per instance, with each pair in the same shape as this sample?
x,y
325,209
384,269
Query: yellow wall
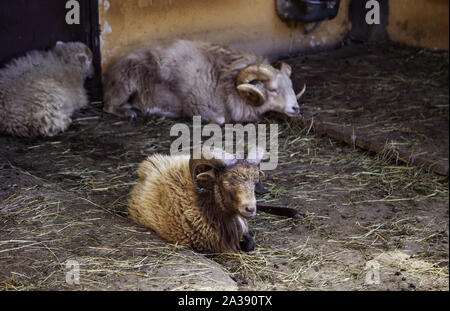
x,y
419,22
253,25
250,25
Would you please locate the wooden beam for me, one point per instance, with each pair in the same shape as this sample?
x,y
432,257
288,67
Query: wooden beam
x,y
348,135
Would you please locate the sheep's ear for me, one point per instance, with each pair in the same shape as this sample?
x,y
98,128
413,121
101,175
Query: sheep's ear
x,y
203,170
82,58
251,94
259,188
203,177
283,67
88,51
208,175
61,50
202,174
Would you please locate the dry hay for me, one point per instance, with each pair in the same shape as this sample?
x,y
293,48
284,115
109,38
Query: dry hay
x,y
65,198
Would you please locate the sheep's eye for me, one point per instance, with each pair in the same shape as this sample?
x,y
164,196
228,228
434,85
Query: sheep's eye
x,y
273,91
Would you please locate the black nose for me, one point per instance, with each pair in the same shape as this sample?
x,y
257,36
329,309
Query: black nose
x,y
296,109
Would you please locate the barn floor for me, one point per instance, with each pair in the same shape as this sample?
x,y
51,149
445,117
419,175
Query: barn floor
x,y
64,198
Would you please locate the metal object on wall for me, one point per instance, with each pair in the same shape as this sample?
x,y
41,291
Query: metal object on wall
x,y
131,24
307,11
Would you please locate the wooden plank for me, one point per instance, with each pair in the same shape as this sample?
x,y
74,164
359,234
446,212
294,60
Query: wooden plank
x,y
348,135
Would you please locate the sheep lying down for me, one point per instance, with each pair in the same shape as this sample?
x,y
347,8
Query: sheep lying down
x,y
40,91
201,203
191,78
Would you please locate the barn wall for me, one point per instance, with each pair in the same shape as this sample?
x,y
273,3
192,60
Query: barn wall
x,y
250,25
37,24
420,23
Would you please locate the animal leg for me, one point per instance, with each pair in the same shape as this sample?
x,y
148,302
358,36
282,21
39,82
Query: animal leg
x,y
276,210
205,253
247,243
122,112
138,103
115,103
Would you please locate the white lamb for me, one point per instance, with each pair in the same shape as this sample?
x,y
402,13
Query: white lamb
x,y
40,91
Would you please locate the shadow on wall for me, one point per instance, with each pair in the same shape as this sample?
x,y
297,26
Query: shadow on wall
x,y
425,24
252,26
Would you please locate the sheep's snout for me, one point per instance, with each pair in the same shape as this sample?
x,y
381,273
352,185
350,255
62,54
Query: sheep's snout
x,y
248,210
293,110
282,97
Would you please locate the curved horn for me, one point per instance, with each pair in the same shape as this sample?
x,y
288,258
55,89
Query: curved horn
x,y
252,94
262,72
283,67
249,92
301,92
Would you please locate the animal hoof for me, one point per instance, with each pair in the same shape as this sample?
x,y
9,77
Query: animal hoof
x,y
247,244
133,117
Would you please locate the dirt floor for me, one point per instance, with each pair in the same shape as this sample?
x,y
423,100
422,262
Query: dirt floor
x,y
368,222
393,97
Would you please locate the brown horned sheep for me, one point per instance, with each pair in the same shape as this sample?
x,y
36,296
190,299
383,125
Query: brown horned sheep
x,y
201,203
190,78
40,91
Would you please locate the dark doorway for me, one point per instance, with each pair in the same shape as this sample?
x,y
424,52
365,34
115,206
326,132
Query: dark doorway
x,y
37,24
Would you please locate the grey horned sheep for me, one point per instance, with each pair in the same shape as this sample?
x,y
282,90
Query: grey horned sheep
x,y
190,78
